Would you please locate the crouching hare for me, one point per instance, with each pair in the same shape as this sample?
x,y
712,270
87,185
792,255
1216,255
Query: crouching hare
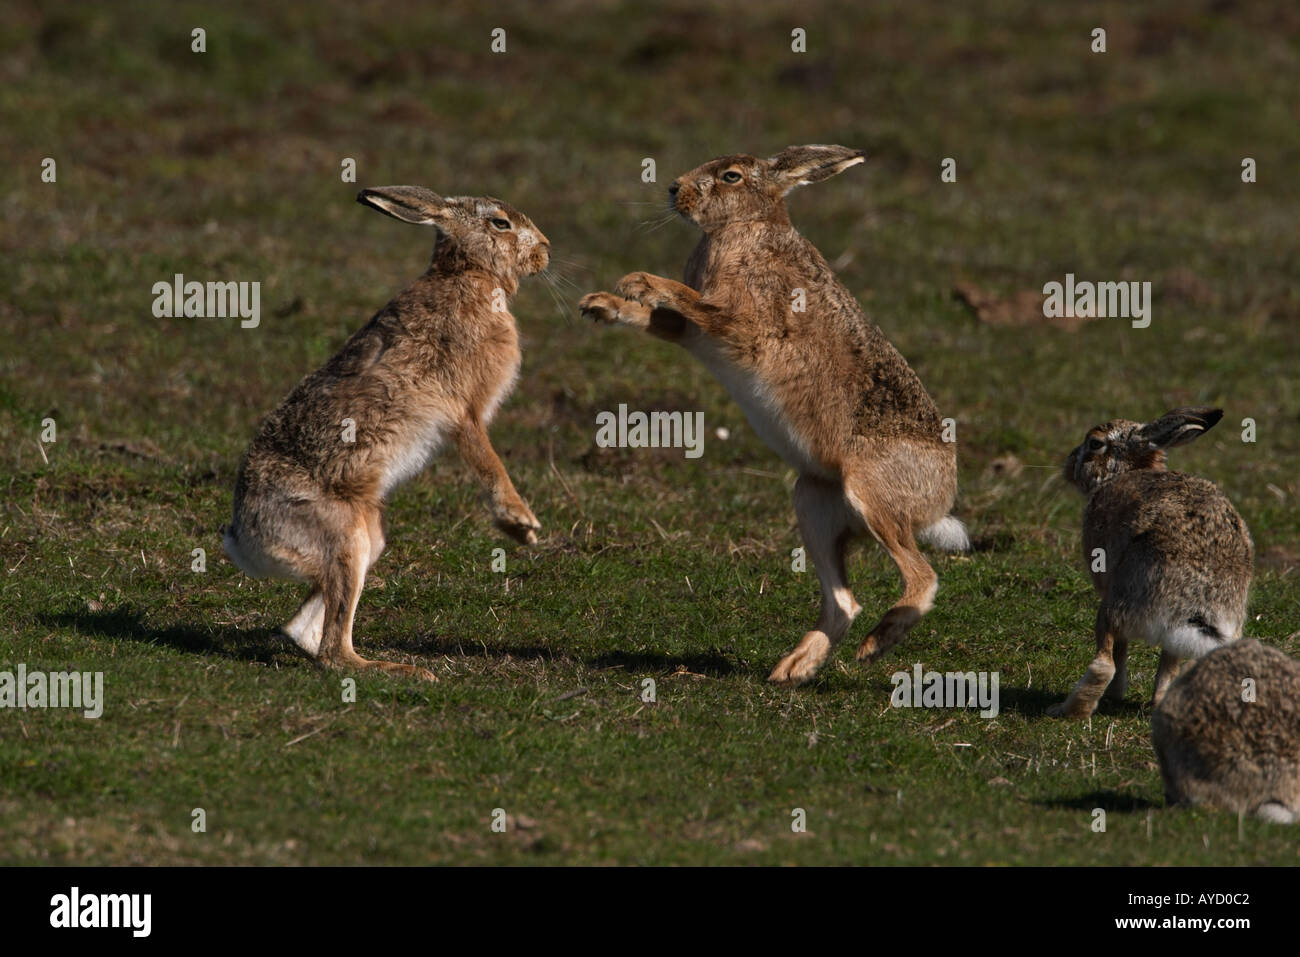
x,y
1228,733
431,365
818,381
1169,554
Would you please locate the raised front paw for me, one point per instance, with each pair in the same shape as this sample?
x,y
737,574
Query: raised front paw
x,y
608,308
644,288
600,306
517,520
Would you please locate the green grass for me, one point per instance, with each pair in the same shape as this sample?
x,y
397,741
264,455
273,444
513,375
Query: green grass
x,y
226,166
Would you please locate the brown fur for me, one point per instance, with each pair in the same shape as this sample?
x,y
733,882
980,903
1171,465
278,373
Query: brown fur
x,y
1218,749
434,363
823,386
1178,557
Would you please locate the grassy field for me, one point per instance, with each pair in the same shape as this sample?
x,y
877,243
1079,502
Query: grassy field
x,y
225,165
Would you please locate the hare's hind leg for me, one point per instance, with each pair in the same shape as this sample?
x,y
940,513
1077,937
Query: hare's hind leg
x,y
919,580
1119,684
304,628
1166,672
343,576
1082,701
826,525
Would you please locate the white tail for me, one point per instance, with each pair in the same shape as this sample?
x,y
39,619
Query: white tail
x,y
948,535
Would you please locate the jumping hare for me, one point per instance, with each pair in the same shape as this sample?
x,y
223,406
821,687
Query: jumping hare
x,y
434,363
818,381
1228,733
1169,554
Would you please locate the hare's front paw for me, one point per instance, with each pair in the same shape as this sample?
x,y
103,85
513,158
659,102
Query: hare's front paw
x,y
517,520
644,288
605,307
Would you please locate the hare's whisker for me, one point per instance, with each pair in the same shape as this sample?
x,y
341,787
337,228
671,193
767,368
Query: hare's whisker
x,y
561,306
557,280
654,225
571,262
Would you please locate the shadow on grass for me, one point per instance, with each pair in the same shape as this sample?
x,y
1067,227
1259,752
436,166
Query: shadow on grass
x,y
225,640
713,664
1032,702
1106,800
430,645
266,646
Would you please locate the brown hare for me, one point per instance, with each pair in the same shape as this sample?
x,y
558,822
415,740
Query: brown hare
x,y
431,365
1170,556
1228,733
818,381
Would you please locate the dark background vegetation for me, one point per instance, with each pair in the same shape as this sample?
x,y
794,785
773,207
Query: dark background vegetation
x,y
225,166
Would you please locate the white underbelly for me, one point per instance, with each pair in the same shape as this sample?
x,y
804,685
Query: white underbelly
x,y
761,408
489,411
410,458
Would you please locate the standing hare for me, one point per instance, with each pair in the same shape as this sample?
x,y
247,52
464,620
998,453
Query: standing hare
x,y
1169,554
434,363
818,381
1228,733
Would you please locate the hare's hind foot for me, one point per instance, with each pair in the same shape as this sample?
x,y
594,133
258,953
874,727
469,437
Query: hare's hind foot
x,y
1071,709
918,598
355,662
802,664
1083,700
898,621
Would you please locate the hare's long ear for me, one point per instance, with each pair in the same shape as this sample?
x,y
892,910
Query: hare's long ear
x,y
804,165
410,204
1180,426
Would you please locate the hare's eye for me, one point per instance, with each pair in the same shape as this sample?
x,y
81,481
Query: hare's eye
x,y
501,224
1095,444
731,176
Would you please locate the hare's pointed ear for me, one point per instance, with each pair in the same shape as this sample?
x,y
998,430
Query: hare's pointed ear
x,y
803,165
1180,426
410,204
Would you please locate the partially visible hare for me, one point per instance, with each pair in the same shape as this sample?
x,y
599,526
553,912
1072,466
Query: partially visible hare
x,y
1230,743
818,381
1169,554
431,365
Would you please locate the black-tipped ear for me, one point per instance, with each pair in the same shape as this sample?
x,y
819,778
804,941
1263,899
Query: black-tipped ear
x,y
804,165
1180,426
410,204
